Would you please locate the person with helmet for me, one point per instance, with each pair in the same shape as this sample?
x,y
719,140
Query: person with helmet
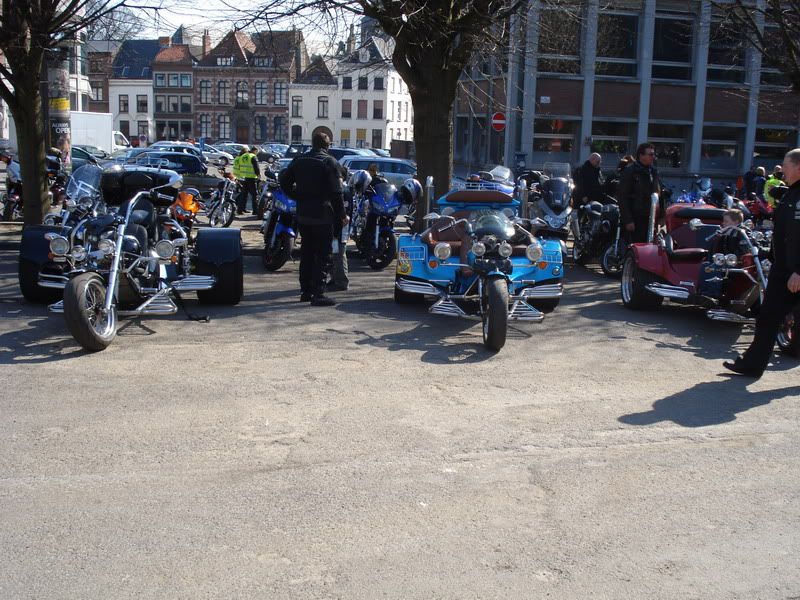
x,y
313,179
247,171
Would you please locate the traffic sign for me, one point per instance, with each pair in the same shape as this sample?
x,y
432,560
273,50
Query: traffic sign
x,y
498,121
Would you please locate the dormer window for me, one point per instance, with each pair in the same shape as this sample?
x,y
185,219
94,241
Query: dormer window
x,y
224,61
262,61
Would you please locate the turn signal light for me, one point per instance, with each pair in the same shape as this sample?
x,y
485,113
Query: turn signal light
x,y
433,263
542,265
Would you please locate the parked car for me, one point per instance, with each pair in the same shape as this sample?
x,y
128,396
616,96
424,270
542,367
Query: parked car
x,y
382,152
231,148
264,154
295,149
93,150
396,170
127,156
216,156
277,147
338,152
185,148
180,162
81,157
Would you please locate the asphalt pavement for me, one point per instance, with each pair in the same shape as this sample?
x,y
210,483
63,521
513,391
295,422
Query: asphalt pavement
x,y
376,451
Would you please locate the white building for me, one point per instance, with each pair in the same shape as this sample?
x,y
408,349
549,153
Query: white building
x,y
130,90
356,97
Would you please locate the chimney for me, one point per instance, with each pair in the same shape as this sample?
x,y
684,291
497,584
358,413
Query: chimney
x,y
164,42
351,40
206,43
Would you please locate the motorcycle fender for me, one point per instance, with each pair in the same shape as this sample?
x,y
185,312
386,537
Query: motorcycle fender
x,y
281,229
218,246
649,258
33,246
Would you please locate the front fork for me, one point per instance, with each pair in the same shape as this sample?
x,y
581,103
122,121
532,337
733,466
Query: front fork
x,y
113,276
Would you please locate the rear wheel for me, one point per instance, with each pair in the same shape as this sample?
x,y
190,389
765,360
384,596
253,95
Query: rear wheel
x,y
495,314
223,215
230,282
633,287
789,335
275,257
29,284
611,261
84,312
383,256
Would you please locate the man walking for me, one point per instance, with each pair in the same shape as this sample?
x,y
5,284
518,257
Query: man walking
x,y
639,181
589,181
783,287
313,180
247,171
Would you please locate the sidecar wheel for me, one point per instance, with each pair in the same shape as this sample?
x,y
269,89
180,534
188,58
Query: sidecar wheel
x,y
84,299
633,287
495,314
789,335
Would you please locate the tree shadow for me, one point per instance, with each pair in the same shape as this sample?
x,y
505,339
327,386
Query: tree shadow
x,y
35,344
710,403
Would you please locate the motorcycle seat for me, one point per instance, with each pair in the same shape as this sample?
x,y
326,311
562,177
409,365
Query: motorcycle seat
x,y
689,254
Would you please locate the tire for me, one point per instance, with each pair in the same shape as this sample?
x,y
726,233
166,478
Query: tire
x,y
578,256
223,214
387,249
495,314
789,335
29,284
230,282
275,260
632,287
611,268
8,211
83,295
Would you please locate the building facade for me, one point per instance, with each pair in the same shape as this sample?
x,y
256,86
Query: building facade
x,y
130,95
629,72
173,90
241,88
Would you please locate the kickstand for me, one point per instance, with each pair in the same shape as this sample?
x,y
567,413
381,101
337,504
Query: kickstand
x,y
182,305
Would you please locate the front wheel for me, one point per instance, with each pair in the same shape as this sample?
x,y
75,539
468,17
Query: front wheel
x,y
274,257
222,215
495,314
381,257
635,294
789,335
90,324
611,261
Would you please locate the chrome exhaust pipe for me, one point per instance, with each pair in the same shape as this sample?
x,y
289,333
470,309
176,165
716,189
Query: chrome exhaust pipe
x,y
651,226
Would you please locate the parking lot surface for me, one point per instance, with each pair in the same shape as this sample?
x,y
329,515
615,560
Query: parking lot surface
x,y
375,451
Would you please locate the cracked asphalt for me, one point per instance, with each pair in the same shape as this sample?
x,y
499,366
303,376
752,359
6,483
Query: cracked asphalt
x,y
376,451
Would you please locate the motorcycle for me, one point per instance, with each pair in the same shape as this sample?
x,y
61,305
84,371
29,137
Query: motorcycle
x,y
551,202
377,241
760,210
599,236
279,228
268,187
701,189
220,209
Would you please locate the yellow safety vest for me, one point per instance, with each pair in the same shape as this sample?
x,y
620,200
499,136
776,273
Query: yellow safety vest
x,y
243,166
771,183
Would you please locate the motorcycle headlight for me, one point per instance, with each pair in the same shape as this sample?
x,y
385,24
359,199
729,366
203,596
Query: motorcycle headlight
x,y
105,246
766,266
164,249
59,245
534,252
505,249
442,251
758,236
719,259
479,248
78,253
731,260
182,212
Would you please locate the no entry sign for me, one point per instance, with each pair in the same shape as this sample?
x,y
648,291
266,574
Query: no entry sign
x,y
498,121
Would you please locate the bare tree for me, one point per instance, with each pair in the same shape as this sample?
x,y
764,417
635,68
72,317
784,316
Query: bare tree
x,y
118,25
29,30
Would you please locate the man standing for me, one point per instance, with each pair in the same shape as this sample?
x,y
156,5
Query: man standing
x,y
775,179
783,287
639,181
340,280
247,171
589,181
313,180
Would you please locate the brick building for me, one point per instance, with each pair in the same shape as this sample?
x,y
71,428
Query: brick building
x,y
101,58
173,90
241,90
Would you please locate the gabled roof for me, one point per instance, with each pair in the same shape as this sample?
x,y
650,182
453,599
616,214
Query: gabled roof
x,y
133,59
281,46
317,73
378,50
175,55
236,45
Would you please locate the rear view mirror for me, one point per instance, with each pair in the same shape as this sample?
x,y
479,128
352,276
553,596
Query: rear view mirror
x,y
432,216
695,224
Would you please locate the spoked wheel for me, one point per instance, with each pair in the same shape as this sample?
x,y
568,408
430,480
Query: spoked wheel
x,y
274,257
494,314
90,324
634,293
611,261
222,215
382,257
789,335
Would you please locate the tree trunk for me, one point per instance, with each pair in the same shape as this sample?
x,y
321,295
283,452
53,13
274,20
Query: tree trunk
x,y
31,148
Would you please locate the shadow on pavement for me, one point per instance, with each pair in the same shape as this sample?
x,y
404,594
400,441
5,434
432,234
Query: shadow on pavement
x,y
36,345
710,403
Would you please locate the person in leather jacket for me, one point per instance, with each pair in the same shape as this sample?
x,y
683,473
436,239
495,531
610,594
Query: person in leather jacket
x,y
313,179
638,182
783,287
589,181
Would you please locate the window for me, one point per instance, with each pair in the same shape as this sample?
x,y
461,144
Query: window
x,y
173,80
553,140
205,126
297,106
125,128
361,138
378,84
242,94
143,129
347,83
261,94
772,145
123,103
161,104
160,79
720,149
362,109
174,104
392,80
347,109
279,129
617,40
261,128
262,61
672,48
363,83
186,131
281,92
726,54
559,53
205,92
224,61
141,103
391,109
223,92
224,123
611,140
297,133
322,107
377,138
186,80
407,118
377,109
344,137
670,142
399,111
771,74
97,90
186,104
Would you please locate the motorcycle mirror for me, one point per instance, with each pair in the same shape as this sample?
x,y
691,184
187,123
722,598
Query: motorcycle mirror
x,y
432,216
179,242
695,224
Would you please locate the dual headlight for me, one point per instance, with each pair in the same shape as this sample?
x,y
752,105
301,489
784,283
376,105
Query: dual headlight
x,y
534,252
442,251
164,249
725,260
59,245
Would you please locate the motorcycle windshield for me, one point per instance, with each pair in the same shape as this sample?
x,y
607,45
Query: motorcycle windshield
x,y
501,173
557,170
84,183
384,198
492,222
556,194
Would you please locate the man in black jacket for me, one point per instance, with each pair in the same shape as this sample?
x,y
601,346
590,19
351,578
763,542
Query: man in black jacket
x,y
589,181
313,180
639,181
783,288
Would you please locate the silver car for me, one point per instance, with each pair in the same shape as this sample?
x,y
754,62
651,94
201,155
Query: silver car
x,y
396,170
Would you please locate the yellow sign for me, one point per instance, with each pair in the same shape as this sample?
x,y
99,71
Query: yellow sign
x,y
403,267
59,103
